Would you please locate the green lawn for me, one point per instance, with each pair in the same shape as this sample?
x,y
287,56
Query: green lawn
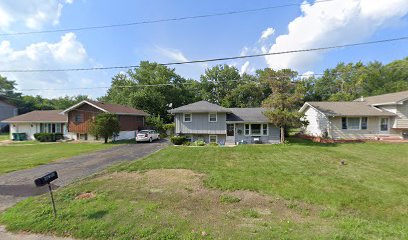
x,y
4,136
28,154
294,191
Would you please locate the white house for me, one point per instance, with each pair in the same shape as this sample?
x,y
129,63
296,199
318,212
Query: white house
x,y
383,116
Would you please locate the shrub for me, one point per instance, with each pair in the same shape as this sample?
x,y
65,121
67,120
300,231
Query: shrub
x,y
48,137
199,143
213,144
186,143
178,140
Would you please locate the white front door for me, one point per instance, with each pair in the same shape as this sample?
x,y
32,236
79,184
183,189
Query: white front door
x,y
384,125
230,134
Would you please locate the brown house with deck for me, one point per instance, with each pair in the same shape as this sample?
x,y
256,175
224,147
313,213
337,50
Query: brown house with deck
x,y
81,115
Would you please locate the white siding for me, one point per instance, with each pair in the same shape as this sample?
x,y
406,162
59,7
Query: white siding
x,y
30,129
318,123
402,110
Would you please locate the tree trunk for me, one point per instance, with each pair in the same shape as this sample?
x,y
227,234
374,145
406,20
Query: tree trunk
x,y
282,132
106,140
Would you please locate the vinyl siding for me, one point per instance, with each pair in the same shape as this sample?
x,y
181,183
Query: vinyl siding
x,y
402,110
6,111
318,123
200,124
372,131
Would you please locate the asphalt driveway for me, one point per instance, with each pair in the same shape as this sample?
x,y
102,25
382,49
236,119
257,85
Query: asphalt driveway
x,y
16,186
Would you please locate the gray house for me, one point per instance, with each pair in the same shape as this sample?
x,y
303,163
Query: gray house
x,y
7,110
212,123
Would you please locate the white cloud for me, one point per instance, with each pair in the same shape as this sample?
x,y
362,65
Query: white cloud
x,y
66,53
244,68
267,33
332,23
30,14
69,1
173,54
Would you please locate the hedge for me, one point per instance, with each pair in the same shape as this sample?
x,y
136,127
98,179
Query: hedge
x,y
48,137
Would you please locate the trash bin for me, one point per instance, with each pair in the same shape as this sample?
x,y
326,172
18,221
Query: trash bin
x,y
19,137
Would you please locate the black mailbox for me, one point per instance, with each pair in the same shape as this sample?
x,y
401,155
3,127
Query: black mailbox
x,y
46,179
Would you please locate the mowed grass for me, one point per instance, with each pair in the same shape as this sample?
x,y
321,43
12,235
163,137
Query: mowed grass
x,y
294,191
4,136
22,155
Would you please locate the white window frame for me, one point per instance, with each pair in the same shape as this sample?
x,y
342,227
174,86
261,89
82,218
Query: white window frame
x,y
209,117
209,138
267,129
359,124
184,117
250,129
388,125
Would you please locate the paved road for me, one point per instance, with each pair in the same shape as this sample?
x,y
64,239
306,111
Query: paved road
x,y
16,186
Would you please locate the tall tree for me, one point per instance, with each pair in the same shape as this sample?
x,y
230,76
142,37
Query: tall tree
x,y
151,87
218,82
284,102
8,91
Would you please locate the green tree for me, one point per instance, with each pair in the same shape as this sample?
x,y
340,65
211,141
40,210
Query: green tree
x,y
105,125
284,102
151,87
218,82
8,91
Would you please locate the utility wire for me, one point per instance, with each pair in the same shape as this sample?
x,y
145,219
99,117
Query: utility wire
x,y
210,59
161,20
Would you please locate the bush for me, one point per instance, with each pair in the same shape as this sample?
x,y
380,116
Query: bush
x,y
178,140
186,143
213,144
48,137
199,143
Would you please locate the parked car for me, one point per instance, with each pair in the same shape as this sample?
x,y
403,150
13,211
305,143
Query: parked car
x,y
147,136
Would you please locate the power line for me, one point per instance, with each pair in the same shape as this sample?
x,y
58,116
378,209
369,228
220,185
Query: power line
x,y
161,20
210,59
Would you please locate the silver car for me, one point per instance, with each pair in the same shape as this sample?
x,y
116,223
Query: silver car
x,y
147,136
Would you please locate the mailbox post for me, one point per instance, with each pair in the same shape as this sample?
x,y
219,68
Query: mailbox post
x,y
46,180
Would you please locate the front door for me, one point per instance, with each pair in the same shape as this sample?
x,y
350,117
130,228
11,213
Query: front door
x,y
384,125
230,133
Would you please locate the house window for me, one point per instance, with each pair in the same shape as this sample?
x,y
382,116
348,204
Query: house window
x,y
343,123
212,117
353,123
50,128
247,129
265,129
213,138
364,123
384,124
187,117
255,129
79,118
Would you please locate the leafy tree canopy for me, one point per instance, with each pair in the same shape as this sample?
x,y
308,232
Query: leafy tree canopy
x,y
105,125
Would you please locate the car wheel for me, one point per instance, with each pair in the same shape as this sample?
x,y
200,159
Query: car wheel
x,y
150,140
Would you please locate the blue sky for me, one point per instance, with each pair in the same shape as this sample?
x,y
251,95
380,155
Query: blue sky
x,y
310,25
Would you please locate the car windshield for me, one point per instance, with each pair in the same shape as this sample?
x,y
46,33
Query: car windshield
x,y
144,131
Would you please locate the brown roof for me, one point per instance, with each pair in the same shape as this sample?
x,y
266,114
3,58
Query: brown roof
x,y
39,116
348,109
389,98
111,108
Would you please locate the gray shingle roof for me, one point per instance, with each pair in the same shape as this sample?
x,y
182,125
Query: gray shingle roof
x,y
388,98
348,109
201,106
39,116
247,115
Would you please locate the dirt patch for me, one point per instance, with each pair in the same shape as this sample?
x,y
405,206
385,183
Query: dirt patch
x,y
180,192
87,195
